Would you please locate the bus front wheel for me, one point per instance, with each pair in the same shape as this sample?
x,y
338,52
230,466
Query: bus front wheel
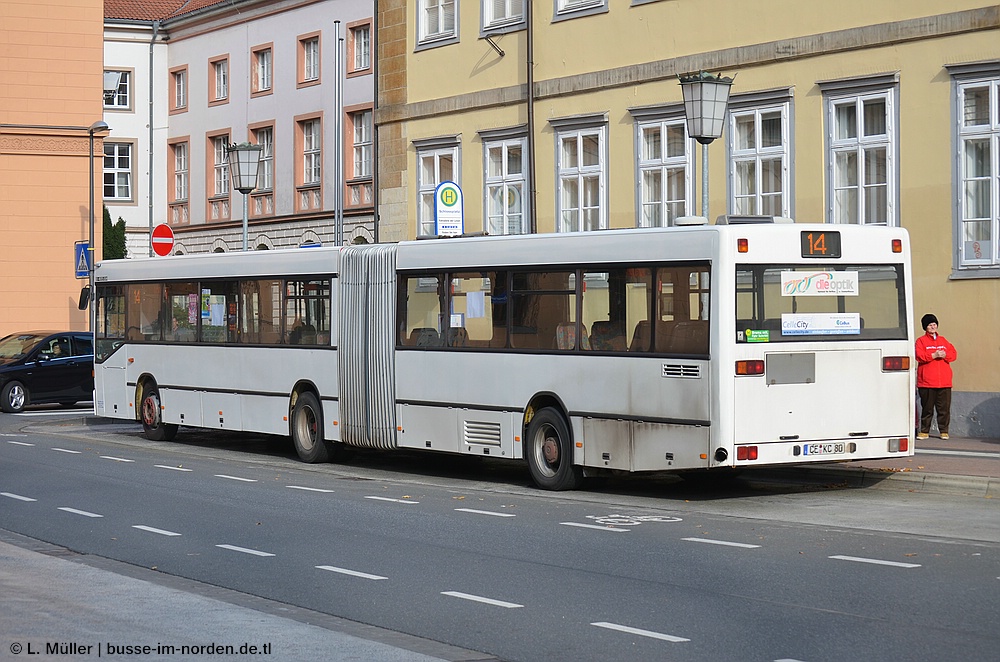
x,y
152,416
550,452
307,430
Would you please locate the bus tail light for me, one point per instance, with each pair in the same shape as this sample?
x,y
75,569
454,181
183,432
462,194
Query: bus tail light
x,y
895,363
897,245
743,245
750,367
899,445
746,452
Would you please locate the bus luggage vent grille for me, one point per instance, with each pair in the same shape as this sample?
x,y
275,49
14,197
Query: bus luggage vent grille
x,y
681,370
478,432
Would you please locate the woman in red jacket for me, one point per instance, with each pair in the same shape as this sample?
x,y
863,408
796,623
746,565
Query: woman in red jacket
x,y
934,358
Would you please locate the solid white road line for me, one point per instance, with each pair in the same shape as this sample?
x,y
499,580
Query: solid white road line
x,y
152,530
478,598
308,489
934,451
17,496
594,526
245,550
80,512
484,512
378,498
641,633
20,443
63,450
116,459
69,412
859,559
245,480
352,573
164,466
722,542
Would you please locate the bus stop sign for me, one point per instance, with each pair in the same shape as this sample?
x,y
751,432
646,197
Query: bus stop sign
x,y
162,239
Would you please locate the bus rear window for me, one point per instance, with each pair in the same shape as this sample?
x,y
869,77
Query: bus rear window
x,y
791,303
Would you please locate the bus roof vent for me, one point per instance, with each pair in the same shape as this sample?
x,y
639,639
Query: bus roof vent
x,y
750,220
690,220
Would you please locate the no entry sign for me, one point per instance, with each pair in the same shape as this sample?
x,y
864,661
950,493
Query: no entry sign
x,y
162,239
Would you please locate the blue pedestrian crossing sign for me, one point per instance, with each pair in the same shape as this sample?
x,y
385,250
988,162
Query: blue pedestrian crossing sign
x,y
81,258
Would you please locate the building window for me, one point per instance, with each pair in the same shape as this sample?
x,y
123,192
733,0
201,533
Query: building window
x,y
362,122
178,89
759,151
861,157
581,164
664,165
436,20
122,97
262,67
308,59
262,197
437,161
361,47
218,202
218,81
309,172
575,8
505,172
979,157
117,171
501,13
179,175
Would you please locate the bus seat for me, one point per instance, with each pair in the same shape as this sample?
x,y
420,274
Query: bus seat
x,y
640,337
424,337
690,337
458,337
607,336
565,335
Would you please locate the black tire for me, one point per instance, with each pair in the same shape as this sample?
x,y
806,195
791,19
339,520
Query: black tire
x,y
150,414
14,397
549,450
306,430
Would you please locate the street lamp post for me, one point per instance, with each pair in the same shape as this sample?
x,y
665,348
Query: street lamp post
x,y
98,126
706,98
244,161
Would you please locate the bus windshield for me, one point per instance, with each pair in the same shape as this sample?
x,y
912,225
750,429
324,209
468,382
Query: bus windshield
x,y
795,302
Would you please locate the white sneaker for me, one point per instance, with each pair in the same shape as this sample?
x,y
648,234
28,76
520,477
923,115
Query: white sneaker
x,y
922,435
944,435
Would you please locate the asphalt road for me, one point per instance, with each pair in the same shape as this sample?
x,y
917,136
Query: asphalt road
x,y
465,553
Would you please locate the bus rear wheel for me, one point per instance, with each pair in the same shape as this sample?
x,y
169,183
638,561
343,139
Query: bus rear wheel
x,y
550,452
307,430
152,416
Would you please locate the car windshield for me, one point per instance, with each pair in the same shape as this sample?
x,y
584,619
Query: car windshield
x,y
16,346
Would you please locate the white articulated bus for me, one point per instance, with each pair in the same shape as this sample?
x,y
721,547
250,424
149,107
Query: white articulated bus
x,y
739,344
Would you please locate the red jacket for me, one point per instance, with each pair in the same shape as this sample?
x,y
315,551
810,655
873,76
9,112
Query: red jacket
x,y
931,372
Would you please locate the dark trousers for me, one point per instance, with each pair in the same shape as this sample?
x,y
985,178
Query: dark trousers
x,y
935,399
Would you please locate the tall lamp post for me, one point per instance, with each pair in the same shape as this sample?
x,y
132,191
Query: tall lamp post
x,y
98,126
244,161
706,98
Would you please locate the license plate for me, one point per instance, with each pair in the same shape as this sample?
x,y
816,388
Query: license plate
x,y
823,449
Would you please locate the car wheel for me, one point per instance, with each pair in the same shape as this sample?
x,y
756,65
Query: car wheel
x,y
152,422
14,397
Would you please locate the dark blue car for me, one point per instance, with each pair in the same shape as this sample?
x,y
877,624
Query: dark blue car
x,y
45,366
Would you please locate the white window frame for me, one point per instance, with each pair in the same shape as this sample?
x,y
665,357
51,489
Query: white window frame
x,y
312,152
437,21
220,69
508,188
120,99
434,150
362,38
120,169
502,13
661,166
264,136
361,153
264,68
858,91
978,236
220,166
748,197
574,178
575,8
181,171
310,59
180,88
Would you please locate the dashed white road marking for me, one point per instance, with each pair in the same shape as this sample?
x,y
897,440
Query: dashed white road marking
x,y
594,526
167,466
722,542
245,550
484,512
308,489
352,573
17,496
20,443
479,598
65,450
859,559
642,633
116,459
378,498
245,480
80,512
152,530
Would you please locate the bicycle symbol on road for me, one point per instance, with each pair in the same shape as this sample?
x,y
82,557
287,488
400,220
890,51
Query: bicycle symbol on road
x,y
631,520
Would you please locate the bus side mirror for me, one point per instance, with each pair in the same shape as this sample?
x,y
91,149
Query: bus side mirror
x,y
84,297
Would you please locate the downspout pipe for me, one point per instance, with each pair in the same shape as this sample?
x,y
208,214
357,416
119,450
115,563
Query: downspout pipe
x,y
532,193
152,41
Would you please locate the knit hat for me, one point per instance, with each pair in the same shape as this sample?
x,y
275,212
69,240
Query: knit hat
x,y
928,319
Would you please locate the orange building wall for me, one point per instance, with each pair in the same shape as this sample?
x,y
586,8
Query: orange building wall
x,y
51,67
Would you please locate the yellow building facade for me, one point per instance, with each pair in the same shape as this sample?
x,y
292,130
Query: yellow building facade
x,y
51,67
877,113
